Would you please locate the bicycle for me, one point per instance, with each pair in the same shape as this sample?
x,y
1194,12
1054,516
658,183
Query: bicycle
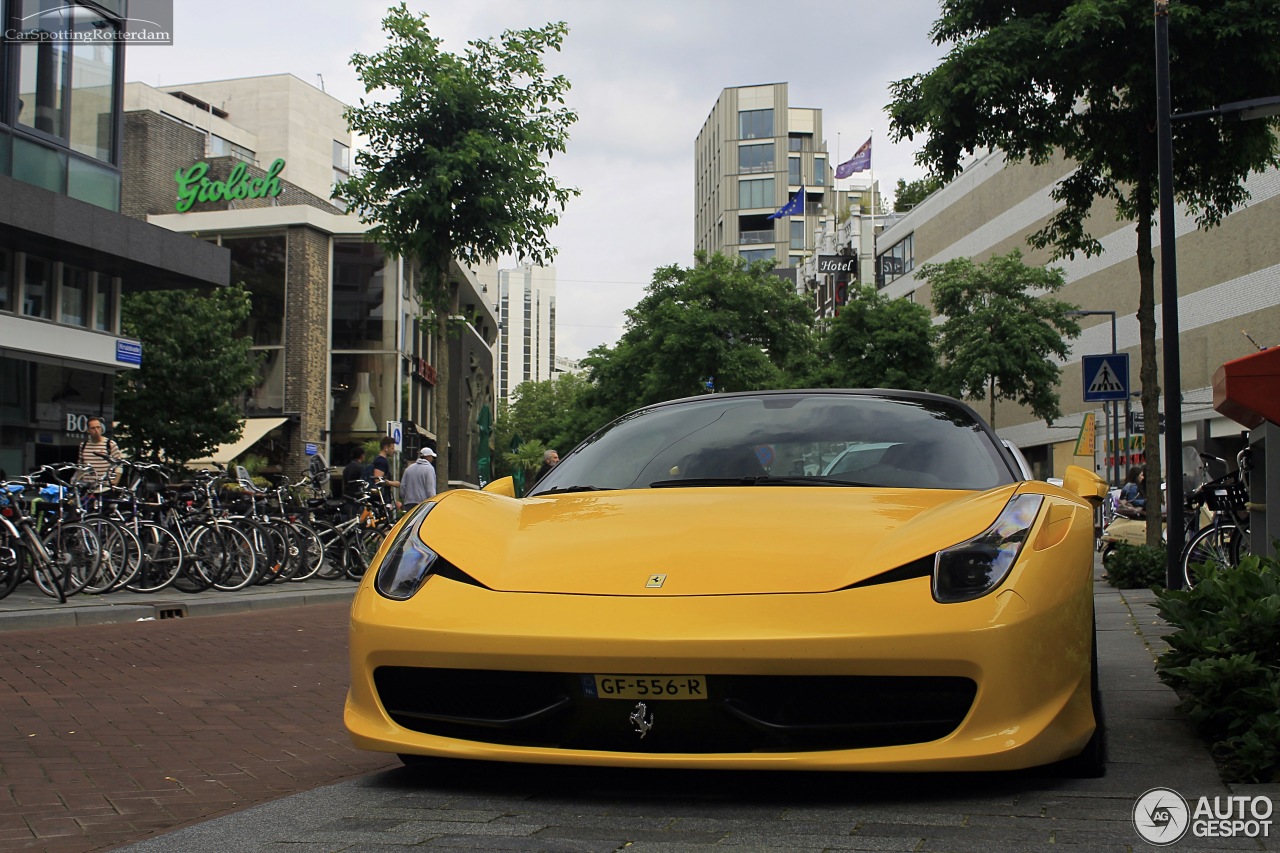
x,y
60,561
1225,539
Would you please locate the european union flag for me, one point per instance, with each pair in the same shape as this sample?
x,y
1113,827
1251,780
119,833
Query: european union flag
x,y
795,207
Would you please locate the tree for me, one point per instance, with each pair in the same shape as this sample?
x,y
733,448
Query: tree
x,y
721,325
998,341
553,411
908,195
455,163
1078,77
876,342
185,399
525,461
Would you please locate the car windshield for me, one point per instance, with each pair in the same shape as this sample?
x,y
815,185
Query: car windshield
x,y
791,438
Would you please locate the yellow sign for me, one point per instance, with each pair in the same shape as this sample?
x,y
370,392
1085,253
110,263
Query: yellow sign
x,y
1086,441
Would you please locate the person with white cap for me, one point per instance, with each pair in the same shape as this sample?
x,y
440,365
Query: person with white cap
x,y
418,483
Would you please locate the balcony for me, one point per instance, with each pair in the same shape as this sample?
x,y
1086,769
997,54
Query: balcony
x,y
749,238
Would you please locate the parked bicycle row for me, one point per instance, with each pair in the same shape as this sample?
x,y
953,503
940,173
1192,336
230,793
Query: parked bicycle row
x,y
70,530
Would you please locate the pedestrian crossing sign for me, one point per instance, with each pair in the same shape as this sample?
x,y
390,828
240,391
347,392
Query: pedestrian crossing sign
x,y
1106,377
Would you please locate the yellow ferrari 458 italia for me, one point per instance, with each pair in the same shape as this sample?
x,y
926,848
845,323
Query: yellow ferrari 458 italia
x,y
802,580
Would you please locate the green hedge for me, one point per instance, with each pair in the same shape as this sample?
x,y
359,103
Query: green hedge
x,y
1224,660
1136,566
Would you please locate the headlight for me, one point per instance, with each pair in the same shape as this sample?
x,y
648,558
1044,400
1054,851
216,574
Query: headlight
x,y
408,563
972,569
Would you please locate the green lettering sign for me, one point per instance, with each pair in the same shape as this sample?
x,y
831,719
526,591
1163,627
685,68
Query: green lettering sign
x,y
194,186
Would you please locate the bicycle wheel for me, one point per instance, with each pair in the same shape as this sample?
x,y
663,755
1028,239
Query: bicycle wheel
x,y
204,558
285,549
161,559
363,545
1215,547
10,560
120,553
310,555
263,543
240,568
76,557
333,542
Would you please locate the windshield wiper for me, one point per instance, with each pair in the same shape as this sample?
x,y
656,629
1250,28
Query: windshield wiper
x,y
560,490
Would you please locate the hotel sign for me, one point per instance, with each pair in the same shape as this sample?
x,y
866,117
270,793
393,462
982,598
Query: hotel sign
x,y
194,186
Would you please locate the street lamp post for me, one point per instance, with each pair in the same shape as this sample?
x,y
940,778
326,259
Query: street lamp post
x,y
1113,464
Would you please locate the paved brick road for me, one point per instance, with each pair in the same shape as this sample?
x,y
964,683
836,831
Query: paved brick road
x,y
111,733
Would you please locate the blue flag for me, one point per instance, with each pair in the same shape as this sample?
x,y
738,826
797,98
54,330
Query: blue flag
x,y
795,207
859,162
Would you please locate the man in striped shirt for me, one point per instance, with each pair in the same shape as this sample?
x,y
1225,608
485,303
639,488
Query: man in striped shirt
x,y
92,452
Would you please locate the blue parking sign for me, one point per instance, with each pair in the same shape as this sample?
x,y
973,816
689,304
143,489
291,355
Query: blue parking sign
x,y
1106,377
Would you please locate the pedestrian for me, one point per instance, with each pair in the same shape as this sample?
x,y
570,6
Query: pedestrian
x,y
550,459
97,451
381,473
1133,492
354,484
419,481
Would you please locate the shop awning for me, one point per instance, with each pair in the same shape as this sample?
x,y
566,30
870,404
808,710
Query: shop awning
x,y
254,430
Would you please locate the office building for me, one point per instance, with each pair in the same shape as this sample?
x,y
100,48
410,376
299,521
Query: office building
x,y
527,312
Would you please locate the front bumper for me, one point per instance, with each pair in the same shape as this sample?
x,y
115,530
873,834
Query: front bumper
x,y
1027,654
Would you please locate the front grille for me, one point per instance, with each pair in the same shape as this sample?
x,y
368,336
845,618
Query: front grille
x,y
743,713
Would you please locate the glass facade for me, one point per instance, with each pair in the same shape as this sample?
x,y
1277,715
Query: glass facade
x,y
61,102
45,405
364,364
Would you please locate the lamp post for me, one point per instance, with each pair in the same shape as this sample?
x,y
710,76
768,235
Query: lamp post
x,y
1113,465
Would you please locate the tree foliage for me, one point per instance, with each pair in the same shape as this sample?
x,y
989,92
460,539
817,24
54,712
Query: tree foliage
x,y
554,411
456,154
185,399
721,325
1078,77
876,342
908,194
998,340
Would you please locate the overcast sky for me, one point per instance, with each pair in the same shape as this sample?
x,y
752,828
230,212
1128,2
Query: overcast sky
x,y
644,75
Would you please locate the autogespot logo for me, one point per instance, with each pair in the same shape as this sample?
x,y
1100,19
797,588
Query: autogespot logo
x,y
1161,816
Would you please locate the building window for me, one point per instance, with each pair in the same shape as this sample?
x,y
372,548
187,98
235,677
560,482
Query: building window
x,y
899,260
6,280
752,255
74,298
341,162
37,290
793,171
363,314
259,262
67,91
755,124
756,193
797,233
104,303
819,171
755,158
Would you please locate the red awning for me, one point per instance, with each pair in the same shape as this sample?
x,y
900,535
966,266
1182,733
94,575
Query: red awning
x,y
1247,389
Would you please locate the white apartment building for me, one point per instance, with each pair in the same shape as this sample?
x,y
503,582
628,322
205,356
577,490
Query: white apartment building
x,y
527,320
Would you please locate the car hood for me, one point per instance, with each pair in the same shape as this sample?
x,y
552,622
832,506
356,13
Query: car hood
x,y
706,541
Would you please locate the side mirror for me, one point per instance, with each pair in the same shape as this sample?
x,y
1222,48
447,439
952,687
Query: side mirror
x,y
502,486
1085,483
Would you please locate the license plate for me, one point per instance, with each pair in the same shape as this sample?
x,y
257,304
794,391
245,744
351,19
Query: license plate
x,y
651,686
